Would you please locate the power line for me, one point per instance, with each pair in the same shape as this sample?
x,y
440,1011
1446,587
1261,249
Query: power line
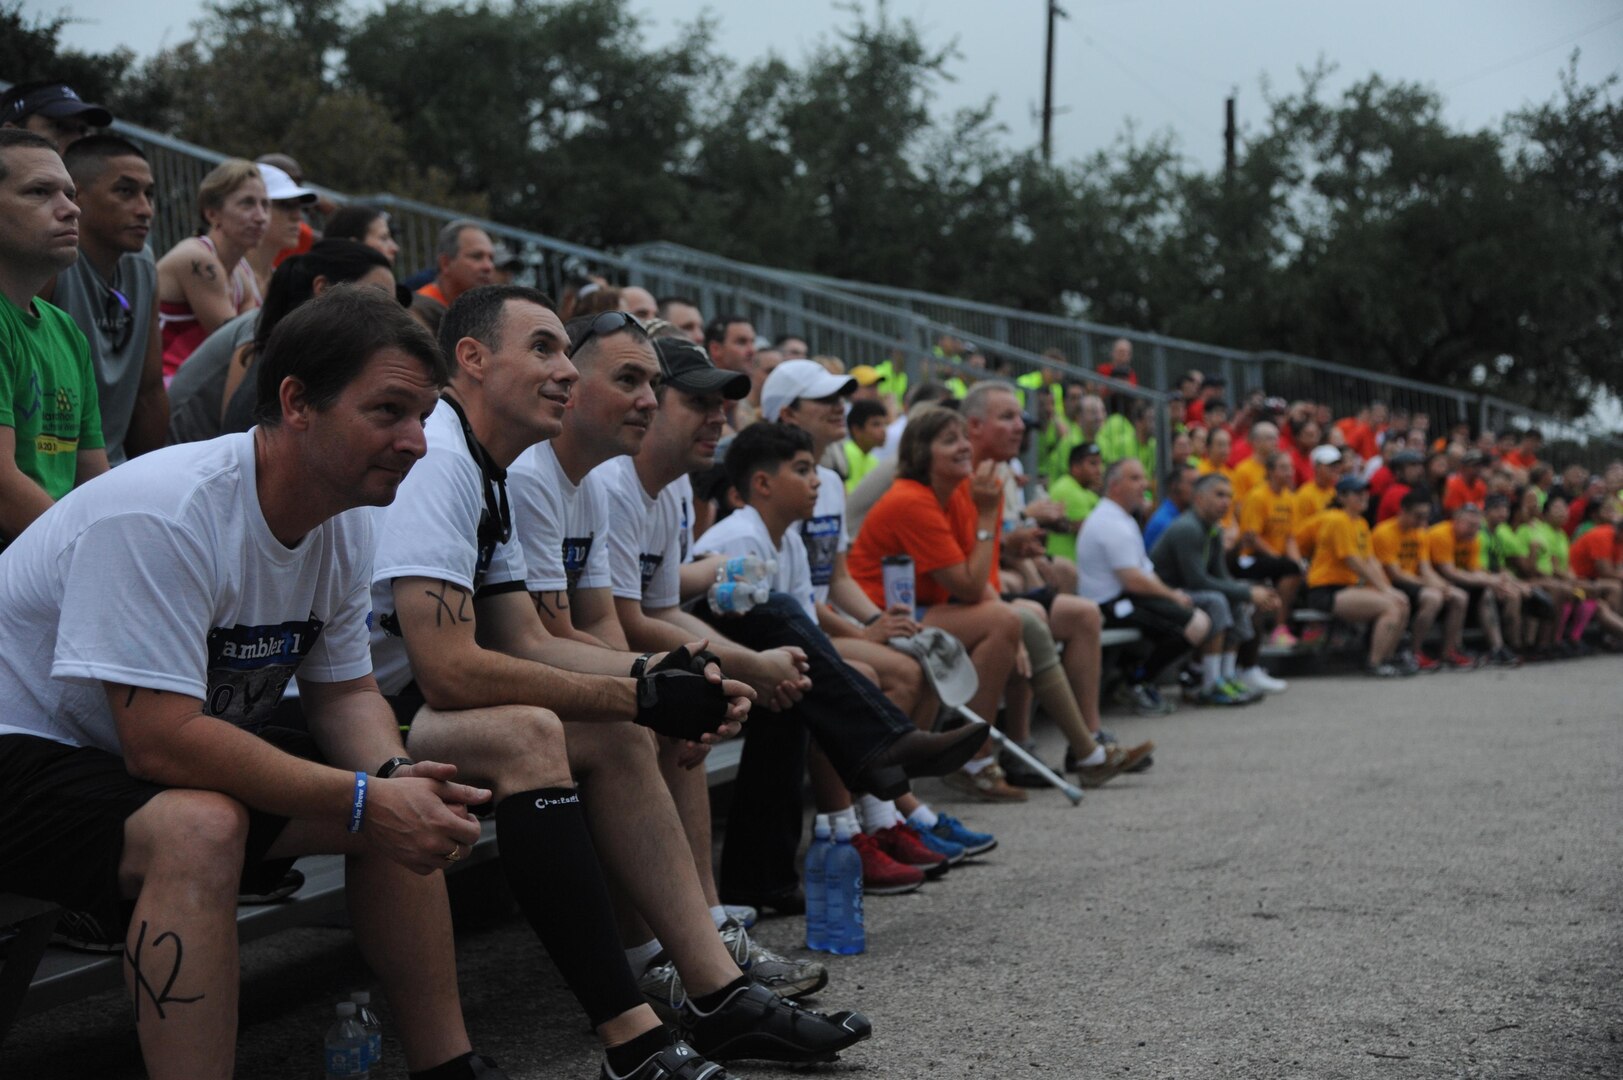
x,y
1531,53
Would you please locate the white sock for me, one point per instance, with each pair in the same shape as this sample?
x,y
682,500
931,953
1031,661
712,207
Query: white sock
x,y
923,817
638,957
980,763
718,915
1230,662
1095,758
848,815
876,814
1211,671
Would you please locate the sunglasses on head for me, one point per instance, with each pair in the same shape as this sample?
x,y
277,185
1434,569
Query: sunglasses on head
x,y
609,322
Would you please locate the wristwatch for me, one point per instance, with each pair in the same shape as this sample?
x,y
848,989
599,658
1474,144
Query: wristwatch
x,y
982,534
388,768
640,665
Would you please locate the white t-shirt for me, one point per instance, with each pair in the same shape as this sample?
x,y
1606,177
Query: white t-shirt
x,y
646,557
563,527
744,533
1110,541
163,574
431,530
824,533
887,450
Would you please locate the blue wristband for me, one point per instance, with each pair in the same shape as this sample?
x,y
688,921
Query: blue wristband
x,y
359,808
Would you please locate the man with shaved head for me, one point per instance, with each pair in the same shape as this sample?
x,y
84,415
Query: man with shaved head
x,y
640,303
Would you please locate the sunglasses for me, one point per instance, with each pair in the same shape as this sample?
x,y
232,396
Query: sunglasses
x,y
117,319
609,322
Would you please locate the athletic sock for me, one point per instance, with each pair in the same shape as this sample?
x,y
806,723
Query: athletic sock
x,y
923,817
1211,670
718,915
848,815
978,764
705,1004
1095,758
624,1059
1053,692
876,814
553,871
638,957
1231,664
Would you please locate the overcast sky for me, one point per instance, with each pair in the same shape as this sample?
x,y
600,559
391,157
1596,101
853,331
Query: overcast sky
x,y
1163,64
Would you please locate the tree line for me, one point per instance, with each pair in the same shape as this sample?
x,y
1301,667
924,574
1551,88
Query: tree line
x,y
1356,226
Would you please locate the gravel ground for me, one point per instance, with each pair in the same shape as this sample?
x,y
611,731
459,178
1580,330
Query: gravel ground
x,y
1416,878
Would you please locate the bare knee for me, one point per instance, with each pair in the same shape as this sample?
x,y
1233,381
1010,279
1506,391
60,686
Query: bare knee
x,y
197,836
1198,629
530,743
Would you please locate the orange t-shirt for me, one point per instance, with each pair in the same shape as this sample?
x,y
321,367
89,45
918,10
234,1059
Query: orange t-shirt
x,y
1396,546
908,520
1312,499
1340,535
1272,517
1360,437
1449,550
1601,542
1249,475
1456,493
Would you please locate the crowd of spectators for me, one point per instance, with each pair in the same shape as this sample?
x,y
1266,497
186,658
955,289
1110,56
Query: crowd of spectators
x,y
480,527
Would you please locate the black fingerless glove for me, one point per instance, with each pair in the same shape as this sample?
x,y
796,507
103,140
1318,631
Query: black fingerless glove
x,y
674,700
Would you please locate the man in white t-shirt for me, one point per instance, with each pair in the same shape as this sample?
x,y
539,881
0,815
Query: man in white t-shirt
x,y
154,618
872,745
1115,572
470,667
561,517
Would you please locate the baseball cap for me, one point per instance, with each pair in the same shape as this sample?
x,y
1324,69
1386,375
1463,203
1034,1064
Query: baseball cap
x,y
1325,455
866,374
1474,457
800,379
55,100
687,367
1407,457
1351,483
279,186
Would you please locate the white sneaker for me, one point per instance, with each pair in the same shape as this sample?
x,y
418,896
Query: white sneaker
x,y
1260,680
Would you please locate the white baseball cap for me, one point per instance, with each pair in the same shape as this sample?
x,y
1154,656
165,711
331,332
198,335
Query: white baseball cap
x,y
794,379
280,186
1325,455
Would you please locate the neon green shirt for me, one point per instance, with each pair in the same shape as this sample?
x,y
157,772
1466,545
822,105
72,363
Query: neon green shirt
x,y
1079,503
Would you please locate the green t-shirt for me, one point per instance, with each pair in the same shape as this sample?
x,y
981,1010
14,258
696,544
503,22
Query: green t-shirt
x,y
47,393
858,462
1079,503
1509,543
1552,546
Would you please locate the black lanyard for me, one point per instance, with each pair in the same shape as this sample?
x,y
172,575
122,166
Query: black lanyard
x,y
496,522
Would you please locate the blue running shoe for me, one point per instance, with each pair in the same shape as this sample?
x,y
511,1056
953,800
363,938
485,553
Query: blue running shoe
x,y
950,850
948,827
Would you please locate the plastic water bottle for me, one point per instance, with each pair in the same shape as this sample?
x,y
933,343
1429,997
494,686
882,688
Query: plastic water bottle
x,y
751,569
844,876
817,884
372,1026
736,597
346,1046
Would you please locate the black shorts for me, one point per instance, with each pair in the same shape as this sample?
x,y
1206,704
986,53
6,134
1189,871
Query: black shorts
x,y
1044,595
1264,568
1322,598
1411,591
405,705
62,826
1154,616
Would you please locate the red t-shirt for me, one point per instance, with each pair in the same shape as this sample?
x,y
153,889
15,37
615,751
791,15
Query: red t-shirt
x,y
1359,437
1391,502
908,520
1457,492
1382,480
1598,543
1130,377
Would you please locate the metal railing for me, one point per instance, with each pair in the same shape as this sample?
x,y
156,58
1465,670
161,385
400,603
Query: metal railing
x,y
863,322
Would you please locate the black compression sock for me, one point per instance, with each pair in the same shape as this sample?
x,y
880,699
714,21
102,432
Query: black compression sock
x,y
709,1003
553,870
458,1068
624,1059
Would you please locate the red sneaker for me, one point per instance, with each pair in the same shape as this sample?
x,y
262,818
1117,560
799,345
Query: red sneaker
x,y
1425,663
900,843
1458,660
881,874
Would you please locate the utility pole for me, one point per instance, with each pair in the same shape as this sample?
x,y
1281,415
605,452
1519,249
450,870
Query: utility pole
x,y
1228,146
1054,13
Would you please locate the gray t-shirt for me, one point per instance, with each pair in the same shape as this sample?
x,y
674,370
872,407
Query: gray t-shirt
x,y
117,332
197,392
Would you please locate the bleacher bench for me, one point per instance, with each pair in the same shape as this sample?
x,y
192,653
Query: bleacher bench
x,y
36,976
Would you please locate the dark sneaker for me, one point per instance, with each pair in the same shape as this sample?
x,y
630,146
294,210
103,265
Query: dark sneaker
x,y
86,933
948,827
679,1061
755,1023
1145,700
485,1069
291,882
1503,657
1383,671
767,905
1018,772
1220,694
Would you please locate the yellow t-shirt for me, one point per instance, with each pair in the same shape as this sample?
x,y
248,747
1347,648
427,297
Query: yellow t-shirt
x,y
1449,550
1248,475
1312,499
1272,517
1340,535
1396,546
